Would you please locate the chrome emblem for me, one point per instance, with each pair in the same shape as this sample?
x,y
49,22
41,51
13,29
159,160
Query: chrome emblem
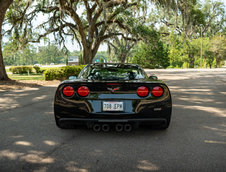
x,y
113,89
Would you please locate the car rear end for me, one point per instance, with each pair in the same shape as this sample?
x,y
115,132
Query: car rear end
x,y
132,102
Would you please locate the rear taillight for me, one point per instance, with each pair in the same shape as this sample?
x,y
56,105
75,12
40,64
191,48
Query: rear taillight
x,y
157,91
68,91
142,91
83,91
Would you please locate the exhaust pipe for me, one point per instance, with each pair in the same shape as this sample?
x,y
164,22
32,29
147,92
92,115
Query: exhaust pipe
x,y
96,127
119,127
128,127
105,127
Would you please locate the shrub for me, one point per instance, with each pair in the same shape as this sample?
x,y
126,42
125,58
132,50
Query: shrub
x,y
37,69
43,69
62,73
21,69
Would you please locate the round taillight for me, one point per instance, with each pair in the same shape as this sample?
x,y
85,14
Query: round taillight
x,y
157,91
83,91
68,91
142,91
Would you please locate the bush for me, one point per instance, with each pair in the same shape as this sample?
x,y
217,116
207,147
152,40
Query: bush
x,y
62,73
21,69
37,69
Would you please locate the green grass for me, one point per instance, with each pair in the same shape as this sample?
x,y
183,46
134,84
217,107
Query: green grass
x,y
26,77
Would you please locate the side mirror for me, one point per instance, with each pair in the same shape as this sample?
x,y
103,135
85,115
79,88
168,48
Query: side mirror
x,y
153,77
72,77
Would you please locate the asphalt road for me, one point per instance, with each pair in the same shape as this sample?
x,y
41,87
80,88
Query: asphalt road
x,y
195,140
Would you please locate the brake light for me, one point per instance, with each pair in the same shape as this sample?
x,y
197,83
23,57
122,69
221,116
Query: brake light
x,y
68,91
83,91
157,91
142,91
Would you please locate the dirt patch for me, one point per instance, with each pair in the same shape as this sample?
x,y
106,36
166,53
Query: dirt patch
x,y
16,85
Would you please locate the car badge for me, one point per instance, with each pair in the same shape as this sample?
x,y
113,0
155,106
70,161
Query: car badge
x,y
113,89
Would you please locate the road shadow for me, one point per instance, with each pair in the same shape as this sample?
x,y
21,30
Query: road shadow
x,y
195,140
15,85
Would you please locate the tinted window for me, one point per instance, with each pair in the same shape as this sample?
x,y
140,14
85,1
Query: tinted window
x,y
113,72
84,73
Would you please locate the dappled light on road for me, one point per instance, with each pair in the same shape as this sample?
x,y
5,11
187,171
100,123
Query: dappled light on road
x,y
50,143
215,111
39,98
16,137
23,143
10,154
34,157
17,98
221,131
147,166
6,101
31,156
214,142
195,140
74,166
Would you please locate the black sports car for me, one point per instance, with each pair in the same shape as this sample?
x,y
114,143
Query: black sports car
x,y
109,95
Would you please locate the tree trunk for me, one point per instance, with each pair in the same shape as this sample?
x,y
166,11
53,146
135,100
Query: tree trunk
x,y
191,60
87,56
123,58
4,5
218,62
210,65
90,53
3,74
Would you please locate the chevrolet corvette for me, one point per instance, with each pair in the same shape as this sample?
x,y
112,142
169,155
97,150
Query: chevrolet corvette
x,y
108,96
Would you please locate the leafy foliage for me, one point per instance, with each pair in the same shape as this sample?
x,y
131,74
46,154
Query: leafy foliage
x,y
218,49
62,73
31,55
21,69
171,35
37,69
149,56
151,52
189,26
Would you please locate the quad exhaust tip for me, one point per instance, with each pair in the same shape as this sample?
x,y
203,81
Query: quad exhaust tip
x,y
128,127
96,127
119,127
105,127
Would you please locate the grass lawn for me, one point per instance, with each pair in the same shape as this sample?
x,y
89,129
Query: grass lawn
x,y
26,77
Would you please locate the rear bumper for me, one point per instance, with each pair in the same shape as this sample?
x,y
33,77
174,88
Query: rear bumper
x,y
82,120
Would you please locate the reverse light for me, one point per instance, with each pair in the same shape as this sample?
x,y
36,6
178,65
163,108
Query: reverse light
x,y
68,91
83,91
157,91
142,91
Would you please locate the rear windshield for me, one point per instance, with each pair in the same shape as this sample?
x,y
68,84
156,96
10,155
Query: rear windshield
x,y
112,73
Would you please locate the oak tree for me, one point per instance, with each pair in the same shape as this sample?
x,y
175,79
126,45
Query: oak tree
x,y
4,5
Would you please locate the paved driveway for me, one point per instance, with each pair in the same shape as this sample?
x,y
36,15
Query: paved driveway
x,y
195,140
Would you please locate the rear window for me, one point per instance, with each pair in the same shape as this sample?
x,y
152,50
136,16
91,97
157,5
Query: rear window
x,y
113,72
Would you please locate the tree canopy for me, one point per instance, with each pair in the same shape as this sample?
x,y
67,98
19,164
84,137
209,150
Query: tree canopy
x,y
172,33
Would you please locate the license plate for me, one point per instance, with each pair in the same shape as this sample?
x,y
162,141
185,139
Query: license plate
x,y
112,106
